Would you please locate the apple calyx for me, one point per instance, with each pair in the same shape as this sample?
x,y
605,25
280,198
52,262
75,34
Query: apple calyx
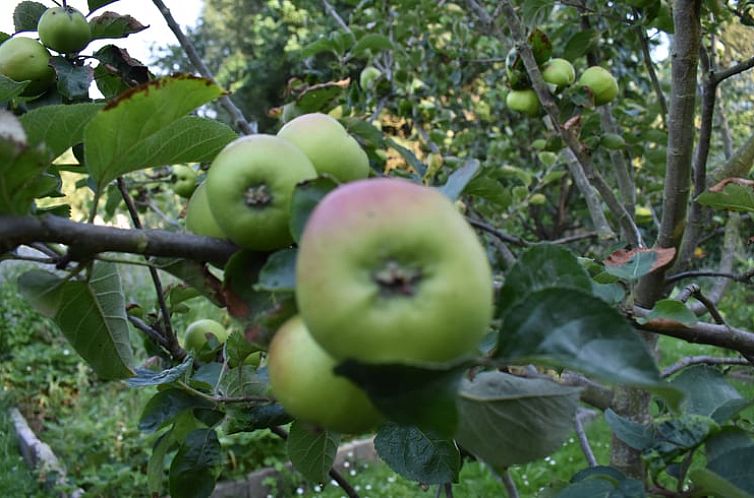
x,y
394,279
258,196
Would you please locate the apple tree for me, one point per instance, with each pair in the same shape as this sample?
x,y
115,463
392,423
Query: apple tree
x,y
460,226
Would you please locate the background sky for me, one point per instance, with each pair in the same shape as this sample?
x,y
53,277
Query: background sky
x,y
186,12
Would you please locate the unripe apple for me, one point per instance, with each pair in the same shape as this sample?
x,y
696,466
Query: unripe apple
x,y
559,72
184,180
23,59
525,101
196,334
254,359
368,77
601,83
390,271
64,29
199,219
328,145
249,189
302,380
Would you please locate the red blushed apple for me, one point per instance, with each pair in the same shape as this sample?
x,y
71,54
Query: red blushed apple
x,y
389,271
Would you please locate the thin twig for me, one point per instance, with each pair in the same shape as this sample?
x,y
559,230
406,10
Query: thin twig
x,y
720,76
171,341
583,439
702,360
575,238
150,332
510,486
744,278
238,118
334,14
510,239
644,41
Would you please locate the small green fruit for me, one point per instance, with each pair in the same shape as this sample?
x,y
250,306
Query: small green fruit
x,y
525,101
328,146
643,215
197,332
613,141
537,199
64,29
559,72
184,180
23,59
199,219
254,359
601,83
368,77
302,380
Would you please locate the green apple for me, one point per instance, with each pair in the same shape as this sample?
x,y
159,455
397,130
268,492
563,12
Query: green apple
x,y
199,219
559,72
390,271
368,77
302,380
249,188
328,145
24,59
525,101
643,215
64,29
601,83
184,180
196,334
254,359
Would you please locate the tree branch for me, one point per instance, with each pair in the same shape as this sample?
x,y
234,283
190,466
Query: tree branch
x,y
644,41
239,120
586,448
85,240
334,14
702,360
720,76
745,278
685,55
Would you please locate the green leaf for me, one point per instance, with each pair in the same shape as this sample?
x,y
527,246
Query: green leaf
x,y
317,47
306,196
635,263
22,168
114,25
542,267
145,378
708,483
123,137
602,482
409,156
460,178
670,309
728,439
312,451
58,126
245,381
424,396
733,197
709,393
196,466
581,43
508,420
736,467
637,436
194,274
26,15
237,348
10,89
91,315
572,329
318,97
73,81
164,406
279,272
156,464
418,455
96,4
372,42
249,419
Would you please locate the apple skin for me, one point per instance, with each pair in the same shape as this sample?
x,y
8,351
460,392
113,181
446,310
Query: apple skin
x,y
196,333
368,77
302,380
390,272
328,145
525,101
601,83
259,220
23,59
199,219
64,29
559,72
184,180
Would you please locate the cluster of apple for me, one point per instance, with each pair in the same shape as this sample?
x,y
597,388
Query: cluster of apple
x,y
62,29
557,72
387,272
